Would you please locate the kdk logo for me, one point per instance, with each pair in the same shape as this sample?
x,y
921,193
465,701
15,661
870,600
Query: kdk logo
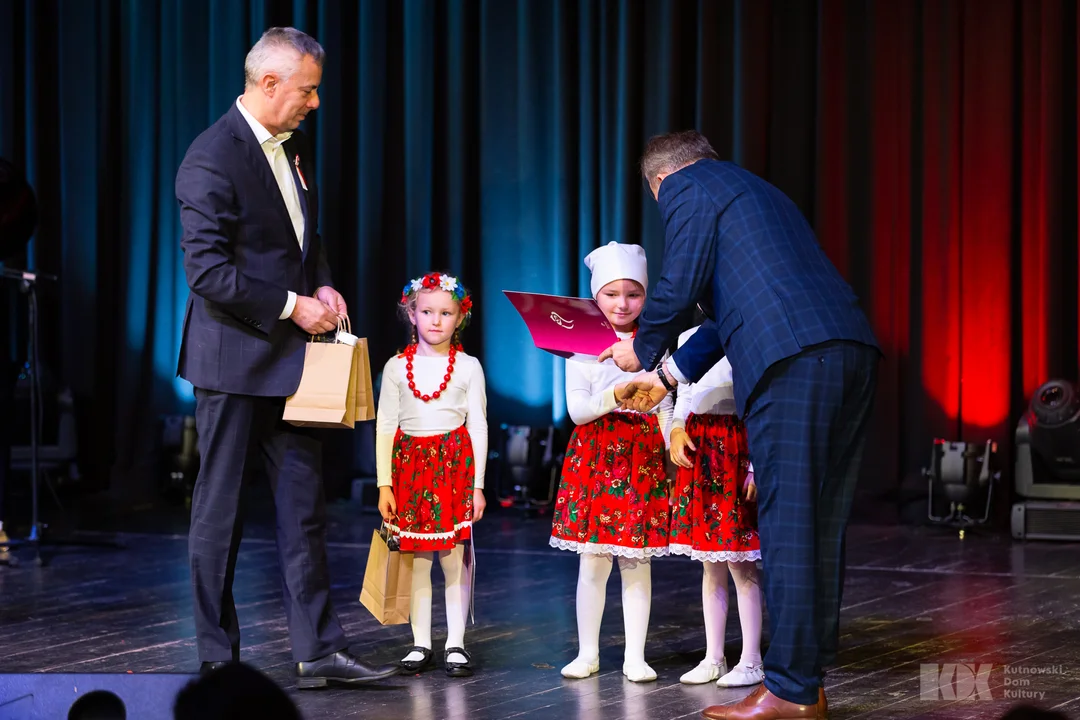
x,y
955,681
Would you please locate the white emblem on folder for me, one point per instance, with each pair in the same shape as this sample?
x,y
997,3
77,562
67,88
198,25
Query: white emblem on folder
x,y
561,321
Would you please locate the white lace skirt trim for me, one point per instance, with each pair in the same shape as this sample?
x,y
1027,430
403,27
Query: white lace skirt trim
x,y
604,549
429,536
716,556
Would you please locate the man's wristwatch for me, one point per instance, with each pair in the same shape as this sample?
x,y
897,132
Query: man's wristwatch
x,y
663,379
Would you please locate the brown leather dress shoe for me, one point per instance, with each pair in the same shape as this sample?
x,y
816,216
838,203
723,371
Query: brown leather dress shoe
x,y
763,705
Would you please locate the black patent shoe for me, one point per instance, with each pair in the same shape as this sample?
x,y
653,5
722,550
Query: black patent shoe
x,y
340,668
456,669
414,666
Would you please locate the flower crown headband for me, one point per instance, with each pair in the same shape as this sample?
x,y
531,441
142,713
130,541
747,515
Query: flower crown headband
x,y
439,281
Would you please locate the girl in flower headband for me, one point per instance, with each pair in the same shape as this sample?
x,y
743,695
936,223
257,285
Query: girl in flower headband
x,y
436,281
431,451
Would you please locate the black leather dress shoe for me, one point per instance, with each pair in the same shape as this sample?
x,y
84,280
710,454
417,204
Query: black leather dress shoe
x,y
341,668
208,666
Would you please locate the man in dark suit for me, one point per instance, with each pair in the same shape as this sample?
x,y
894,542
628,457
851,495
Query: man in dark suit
x,y
260,285
804,365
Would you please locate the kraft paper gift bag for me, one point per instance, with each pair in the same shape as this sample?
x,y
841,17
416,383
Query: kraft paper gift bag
x,y
387,581
364,405
335,386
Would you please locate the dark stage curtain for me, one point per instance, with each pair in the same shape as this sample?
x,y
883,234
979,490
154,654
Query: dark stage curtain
x,y
932,144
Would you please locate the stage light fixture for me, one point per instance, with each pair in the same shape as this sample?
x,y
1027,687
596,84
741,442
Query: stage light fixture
x,y
1048,465
963,474
526,466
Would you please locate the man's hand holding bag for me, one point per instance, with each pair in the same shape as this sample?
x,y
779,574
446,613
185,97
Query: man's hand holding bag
x,y
335,389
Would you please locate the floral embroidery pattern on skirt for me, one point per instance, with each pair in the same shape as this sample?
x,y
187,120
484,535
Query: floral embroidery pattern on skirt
x,y
613,492
433,488
711,519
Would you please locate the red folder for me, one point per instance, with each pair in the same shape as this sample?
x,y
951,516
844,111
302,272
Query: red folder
x,y
572,328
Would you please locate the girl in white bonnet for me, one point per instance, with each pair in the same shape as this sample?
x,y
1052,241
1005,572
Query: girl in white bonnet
x,y
613,496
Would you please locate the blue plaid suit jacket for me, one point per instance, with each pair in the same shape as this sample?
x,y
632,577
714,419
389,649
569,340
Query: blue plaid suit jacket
x,y
741,249
241,258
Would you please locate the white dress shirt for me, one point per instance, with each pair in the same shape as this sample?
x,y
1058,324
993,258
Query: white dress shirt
x,y
273,148
463,401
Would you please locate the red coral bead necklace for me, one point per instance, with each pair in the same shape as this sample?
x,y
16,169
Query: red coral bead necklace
x,y
410,353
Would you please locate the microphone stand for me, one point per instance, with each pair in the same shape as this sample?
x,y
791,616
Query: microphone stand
x,y
28,285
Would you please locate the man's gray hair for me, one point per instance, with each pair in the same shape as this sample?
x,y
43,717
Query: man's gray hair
x,y
674,151
280,51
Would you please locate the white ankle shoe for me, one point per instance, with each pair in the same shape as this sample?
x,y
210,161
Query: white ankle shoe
x,y
639,673
580,669
742,675
705,672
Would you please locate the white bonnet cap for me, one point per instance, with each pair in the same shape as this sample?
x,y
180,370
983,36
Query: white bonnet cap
x,y
617,261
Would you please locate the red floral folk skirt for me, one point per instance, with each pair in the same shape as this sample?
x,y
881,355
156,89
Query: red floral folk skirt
x,y
711,519
613,494
433,490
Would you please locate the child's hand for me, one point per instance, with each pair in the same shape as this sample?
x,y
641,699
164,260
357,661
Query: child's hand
x,y
648,393
387,504
751,487
680,443
478,504
624,391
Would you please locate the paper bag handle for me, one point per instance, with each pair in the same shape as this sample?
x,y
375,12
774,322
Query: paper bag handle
x,y
344,333
343,325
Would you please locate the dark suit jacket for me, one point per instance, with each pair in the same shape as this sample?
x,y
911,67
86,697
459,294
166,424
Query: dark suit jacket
x,y
241,258
741,248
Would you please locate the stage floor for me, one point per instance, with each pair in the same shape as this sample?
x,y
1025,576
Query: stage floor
x,y
915,596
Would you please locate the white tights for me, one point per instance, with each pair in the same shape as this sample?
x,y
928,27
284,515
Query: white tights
x,y
714,602
636,596
457,600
